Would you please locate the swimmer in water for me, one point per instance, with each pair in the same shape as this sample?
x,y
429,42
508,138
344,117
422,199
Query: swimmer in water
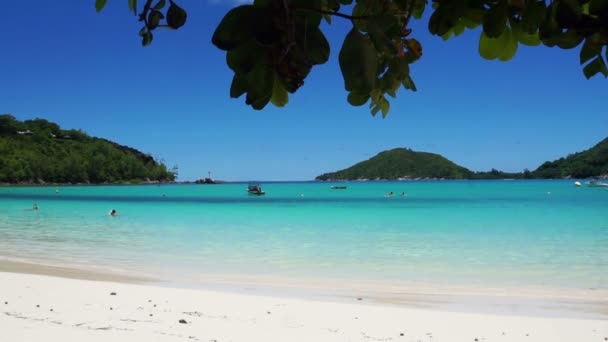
x,y
35,207
113,212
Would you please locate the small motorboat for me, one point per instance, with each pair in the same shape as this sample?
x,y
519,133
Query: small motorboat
x,y
255,189
577,184
597,184
338,187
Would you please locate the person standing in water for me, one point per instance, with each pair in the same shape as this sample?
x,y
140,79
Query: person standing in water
x,y
35,207
113,212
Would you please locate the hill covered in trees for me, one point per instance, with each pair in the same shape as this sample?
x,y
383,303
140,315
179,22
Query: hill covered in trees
x,y
39,151
401,163
589,163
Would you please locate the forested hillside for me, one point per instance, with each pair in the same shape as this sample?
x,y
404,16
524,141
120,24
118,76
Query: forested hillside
x,y
401,163
39,151
589,163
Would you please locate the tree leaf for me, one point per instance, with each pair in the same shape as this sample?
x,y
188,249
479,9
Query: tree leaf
x,y
280,97
159,5
504,47
317,46
242,59
495,20
487,47
419,6
566,40
234,29
589,50
408,83
598,7
596,66
133,6
260,83
154,19
524,37
262,27
358,62
385,106
146,38
238,86
99,4
262,3
440,22
529,39
509,45
375,109
357,99
176,16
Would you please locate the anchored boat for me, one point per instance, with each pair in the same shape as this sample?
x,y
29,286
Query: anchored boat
x,y
255,189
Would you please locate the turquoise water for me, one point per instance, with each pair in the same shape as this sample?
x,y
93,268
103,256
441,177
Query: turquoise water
x,y
477,233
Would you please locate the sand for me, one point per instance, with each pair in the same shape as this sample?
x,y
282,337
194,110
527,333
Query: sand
x,y
47,308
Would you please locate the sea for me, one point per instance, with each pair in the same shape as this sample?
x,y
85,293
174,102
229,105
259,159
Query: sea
x,y
504,234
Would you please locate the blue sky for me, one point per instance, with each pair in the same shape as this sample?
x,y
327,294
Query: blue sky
x,y
64,62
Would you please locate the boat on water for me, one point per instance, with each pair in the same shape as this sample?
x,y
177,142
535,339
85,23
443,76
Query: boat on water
x,y
597,184
255,189
338,187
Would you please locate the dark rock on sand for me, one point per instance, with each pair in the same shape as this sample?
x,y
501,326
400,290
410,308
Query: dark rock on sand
x,y
183,321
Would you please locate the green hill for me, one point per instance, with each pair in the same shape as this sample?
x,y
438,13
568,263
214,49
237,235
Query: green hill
x,y
401,163
39,151
589,163
404,163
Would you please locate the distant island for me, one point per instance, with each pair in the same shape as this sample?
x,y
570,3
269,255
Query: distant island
x,y
38,152
405,164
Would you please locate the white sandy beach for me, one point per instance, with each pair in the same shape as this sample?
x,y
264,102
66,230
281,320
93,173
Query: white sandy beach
x,y
47,308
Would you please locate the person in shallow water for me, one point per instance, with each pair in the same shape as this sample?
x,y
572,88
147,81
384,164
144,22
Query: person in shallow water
x,y
113,212
35,207
388,194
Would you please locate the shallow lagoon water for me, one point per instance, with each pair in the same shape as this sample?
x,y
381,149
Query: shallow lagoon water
x,y
505,234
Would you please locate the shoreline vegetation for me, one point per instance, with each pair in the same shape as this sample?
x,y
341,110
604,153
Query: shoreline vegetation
x,y
40,152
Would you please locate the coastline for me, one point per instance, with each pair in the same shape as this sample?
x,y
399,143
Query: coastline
x,y
36,308
32,268
363,180
533,302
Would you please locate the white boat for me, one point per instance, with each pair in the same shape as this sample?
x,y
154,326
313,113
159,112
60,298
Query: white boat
x,y
597,184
